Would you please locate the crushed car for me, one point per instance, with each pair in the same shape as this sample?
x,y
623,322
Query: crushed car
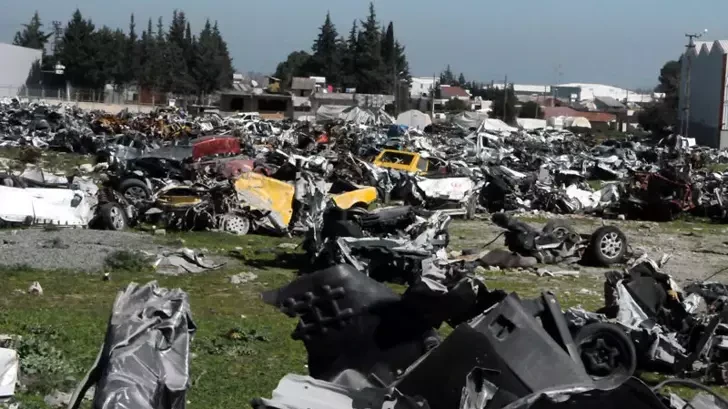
x,y
62,203
557,242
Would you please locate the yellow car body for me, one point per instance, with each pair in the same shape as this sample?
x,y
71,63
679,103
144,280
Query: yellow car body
x,y
175,197
361,197
264,193
411,162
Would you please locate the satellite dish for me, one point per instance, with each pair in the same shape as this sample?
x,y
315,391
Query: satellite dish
x,y
254,83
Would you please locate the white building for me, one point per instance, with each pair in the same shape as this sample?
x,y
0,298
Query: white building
x,y
421,87
524,89
708,116
15,67
590,91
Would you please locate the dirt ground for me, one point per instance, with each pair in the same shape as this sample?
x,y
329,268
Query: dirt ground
x,y
697,250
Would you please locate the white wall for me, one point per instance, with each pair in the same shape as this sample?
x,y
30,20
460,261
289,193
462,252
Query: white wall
x,y
591,91
15,65
420,86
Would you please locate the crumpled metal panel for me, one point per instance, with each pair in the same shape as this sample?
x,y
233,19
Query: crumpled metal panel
x,y
304,392
144,362
62,207
9,367
477,391
455,189
630,313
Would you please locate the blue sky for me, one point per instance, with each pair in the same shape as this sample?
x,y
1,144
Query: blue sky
x,y
618,42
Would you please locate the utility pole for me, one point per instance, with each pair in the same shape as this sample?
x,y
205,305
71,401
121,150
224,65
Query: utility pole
x,y
434,84
394,87
505,97
685,120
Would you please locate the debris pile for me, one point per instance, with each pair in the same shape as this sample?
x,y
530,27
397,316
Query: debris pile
x,y
364,341
243,174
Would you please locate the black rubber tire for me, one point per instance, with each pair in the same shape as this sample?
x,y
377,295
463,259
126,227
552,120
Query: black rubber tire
x,y
110,213
615,339
594,251
137,183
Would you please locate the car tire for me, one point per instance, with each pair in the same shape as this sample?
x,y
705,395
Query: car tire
x,y
113,217
134,190
608,245
607,353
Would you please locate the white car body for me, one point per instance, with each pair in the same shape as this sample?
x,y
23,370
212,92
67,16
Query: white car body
x,y
241,118
47,206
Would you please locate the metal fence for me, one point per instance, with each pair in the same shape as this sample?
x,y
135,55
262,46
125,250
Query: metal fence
x,y
71,94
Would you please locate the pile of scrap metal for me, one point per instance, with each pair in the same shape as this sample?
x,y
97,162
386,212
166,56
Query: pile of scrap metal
x,y
70,129
389,244
369,346
238,196
426,181
457,169
556,243
673,330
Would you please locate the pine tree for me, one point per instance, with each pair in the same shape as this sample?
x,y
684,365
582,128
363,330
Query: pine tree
x,y
177,75
177,27
205,72
349,58
389,56
147,56
401,59
133,54
223,61
447,77
78,51
158,66
32,35
370,68
110,56
461,80
326,58
368,59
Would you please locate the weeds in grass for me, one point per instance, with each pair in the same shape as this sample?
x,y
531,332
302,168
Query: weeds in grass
x,y
43,367
123,260
29,154
235,342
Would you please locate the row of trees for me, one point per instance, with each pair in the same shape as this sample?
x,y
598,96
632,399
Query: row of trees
x,y
170,59
370,59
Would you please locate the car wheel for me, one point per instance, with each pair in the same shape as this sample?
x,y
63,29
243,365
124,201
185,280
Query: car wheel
x,y
608,246
135,190
113,217
607,353
234,224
